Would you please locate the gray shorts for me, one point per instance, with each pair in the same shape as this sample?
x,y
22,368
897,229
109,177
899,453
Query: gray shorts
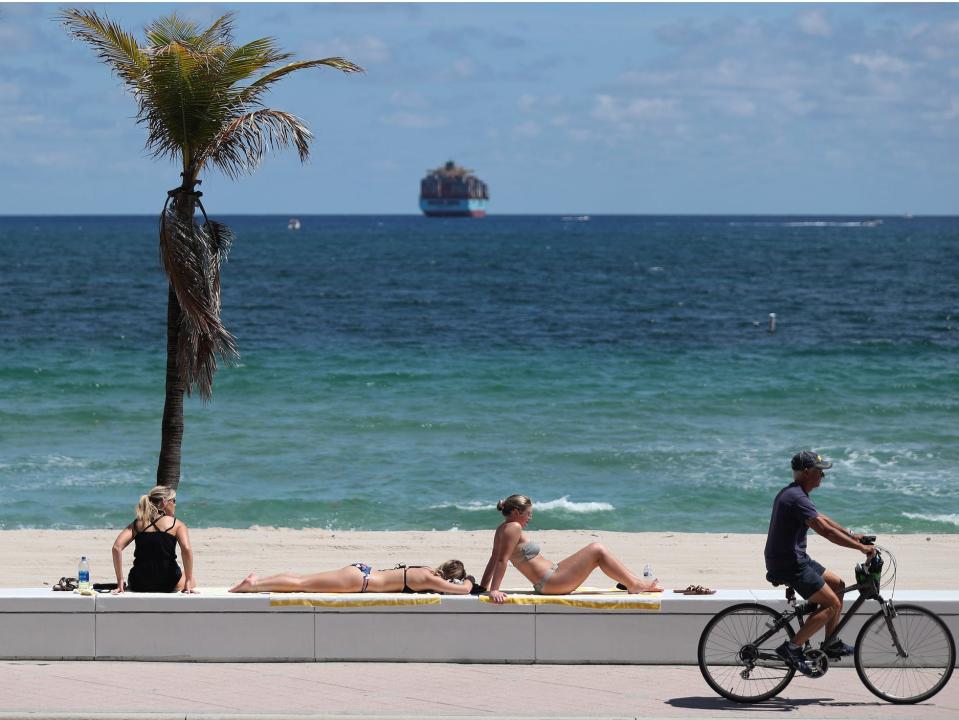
x,y
806,578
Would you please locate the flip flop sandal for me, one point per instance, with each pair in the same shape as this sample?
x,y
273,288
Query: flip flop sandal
x,y
66,584
695,590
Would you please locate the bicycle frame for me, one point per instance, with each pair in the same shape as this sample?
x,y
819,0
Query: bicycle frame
x,y
868,589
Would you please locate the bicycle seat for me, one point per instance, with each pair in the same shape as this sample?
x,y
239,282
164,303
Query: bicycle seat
x,y
790,593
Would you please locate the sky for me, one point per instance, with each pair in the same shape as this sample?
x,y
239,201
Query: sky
x,y
559,107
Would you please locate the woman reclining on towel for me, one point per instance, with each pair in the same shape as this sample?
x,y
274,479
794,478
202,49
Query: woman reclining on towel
x,y
449,578
548,578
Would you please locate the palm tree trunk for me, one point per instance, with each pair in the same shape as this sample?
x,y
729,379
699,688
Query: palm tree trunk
x,y
171,438
168,468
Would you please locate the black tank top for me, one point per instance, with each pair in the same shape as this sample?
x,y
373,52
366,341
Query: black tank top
x,y
154,560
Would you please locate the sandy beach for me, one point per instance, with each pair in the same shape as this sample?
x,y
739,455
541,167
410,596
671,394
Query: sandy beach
x,y
33,558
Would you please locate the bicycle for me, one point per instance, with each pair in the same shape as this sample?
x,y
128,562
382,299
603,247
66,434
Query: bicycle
x,y
903,653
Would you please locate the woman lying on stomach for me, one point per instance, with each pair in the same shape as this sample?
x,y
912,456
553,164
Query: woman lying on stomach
x,y
510,544
155,533
449,578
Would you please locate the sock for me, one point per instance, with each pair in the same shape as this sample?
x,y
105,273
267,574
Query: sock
x,y
791,645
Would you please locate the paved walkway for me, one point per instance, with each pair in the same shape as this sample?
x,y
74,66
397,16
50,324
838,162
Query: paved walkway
x,y
202,690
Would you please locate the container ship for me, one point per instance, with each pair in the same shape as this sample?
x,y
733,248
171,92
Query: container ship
x,y
453,191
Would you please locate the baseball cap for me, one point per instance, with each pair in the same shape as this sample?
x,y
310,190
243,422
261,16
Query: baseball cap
x,y
806,459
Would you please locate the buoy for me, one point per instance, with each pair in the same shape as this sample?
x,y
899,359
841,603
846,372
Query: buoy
x,y
772,322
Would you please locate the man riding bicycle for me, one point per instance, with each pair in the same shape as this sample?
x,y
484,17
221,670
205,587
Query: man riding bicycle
x,y
787,562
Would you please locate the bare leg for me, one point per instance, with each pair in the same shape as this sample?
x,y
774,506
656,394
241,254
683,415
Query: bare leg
x,y
827,614
576,568
344,580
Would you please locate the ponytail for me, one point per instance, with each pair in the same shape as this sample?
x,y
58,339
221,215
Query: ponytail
x,y
148,509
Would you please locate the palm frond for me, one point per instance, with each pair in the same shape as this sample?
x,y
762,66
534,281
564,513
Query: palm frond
x,y
171,29
172,103
192,254
252,92
218,34
243,143
112,44
241,62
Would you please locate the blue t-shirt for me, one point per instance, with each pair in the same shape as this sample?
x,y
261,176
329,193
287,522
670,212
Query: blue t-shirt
x,y
786,540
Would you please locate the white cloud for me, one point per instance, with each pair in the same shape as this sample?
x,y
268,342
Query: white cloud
x,y
463,68
615,110
408,99
526,130
814,22
580,134
880,62
740,107
53,159
363,51
414,120
9,91
950,112
796,102
526,103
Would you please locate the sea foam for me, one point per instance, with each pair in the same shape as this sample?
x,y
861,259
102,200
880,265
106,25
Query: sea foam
x,y
563,504
948,519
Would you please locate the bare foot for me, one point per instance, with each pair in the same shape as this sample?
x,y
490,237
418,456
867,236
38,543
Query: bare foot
x,y
646,586
247,584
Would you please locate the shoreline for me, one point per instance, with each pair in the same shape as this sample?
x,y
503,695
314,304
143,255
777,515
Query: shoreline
x,y
33,558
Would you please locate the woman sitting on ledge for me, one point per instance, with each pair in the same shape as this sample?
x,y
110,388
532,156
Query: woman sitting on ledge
x,y
449,578
155,534
548,578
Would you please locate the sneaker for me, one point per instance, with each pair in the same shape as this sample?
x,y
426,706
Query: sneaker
x,y
794,658
837,650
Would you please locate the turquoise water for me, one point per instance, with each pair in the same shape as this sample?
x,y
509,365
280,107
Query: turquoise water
x,y
405,373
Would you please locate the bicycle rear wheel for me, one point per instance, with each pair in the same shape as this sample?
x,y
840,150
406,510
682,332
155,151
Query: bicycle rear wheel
x,y
733,664
921,670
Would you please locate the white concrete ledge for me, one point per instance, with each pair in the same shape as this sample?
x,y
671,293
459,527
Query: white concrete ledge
x,y
583,628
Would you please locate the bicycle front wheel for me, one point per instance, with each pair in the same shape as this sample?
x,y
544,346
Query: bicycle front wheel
x,y
915,669
734,664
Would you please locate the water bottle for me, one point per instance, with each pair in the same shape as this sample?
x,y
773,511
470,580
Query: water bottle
x,y
648,572
83,574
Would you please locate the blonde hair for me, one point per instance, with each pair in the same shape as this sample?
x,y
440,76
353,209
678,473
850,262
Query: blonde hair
x,y
148,509
452,570
514,502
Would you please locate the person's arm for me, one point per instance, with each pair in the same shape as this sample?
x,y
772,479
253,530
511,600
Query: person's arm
x,y
837,535
840,528
183,538
503,547
440,584
119,545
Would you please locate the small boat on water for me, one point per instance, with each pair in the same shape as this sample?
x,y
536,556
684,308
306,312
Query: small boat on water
x,y
294,224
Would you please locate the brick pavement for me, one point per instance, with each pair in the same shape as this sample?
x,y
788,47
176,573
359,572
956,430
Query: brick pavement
x,y
64,689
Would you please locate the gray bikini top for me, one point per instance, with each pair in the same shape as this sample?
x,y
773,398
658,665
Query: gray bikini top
x,y
527,551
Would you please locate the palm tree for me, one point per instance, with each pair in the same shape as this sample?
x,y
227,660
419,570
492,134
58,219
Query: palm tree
x,y
196,96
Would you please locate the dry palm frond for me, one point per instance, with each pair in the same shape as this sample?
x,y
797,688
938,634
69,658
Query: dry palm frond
x,y
192,254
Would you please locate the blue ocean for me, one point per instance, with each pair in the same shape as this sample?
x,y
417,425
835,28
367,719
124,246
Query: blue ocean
x,y
401,372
